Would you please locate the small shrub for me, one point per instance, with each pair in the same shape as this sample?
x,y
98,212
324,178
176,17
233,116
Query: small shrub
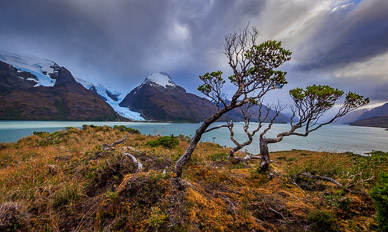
x,y
370,166
157,216
165,141
126,129
182,137
41,134
218,156
291,159
112,195
379,194
322,221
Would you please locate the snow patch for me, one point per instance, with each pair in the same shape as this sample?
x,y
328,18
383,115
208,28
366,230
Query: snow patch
x,y
39,67
161,79
103,92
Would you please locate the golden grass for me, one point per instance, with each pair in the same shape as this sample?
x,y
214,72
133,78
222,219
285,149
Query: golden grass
x,y
64,181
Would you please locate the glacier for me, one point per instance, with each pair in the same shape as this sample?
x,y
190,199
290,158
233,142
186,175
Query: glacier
x,y
114,103
39,67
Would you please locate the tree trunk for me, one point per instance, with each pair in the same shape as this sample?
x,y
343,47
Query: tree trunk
x,y
194,141
231,156
198,134
187,155
264,153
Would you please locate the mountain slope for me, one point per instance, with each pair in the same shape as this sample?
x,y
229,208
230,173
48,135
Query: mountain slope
x,y
380,121
375,112
39,89
352,116
159,98
376,117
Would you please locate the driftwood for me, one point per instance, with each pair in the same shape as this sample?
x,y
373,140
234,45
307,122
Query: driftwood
x,y
109,147
246,158
138,163
316,177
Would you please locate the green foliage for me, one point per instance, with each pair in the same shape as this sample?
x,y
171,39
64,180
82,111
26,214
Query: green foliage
x,y
322,221
50,139
322,96
165,141
261,61
379,194
184,137
157,217
41,134
112,195
218,156
211,82
127,129
370,166
317,99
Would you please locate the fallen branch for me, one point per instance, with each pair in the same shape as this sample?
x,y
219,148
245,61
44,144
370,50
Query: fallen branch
x,y
278,213
294,183
138,163
236,160
107,147
316,177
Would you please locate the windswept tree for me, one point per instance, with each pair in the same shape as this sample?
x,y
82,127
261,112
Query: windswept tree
x,y
255,73
310,105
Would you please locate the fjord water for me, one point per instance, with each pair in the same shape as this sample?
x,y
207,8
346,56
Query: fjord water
x,y
331,138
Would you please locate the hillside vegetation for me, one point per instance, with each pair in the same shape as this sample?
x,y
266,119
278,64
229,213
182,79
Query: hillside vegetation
x,y
90,180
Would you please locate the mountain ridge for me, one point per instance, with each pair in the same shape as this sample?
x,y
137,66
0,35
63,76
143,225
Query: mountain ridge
x,y
46,91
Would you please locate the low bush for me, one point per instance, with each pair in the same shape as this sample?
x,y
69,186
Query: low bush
x,y
370,167
165,141
379,194
218,156
322,221
126,129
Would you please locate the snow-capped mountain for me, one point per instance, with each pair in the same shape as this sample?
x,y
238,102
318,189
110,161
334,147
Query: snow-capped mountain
x,y
113,98
159,79
32,88
44,71
159,98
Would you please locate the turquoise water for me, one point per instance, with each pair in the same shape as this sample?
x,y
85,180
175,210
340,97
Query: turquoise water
x,y
332,138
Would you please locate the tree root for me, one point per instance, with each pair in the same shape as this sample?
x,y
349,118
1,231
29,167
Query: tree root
x,y
138,163
316,177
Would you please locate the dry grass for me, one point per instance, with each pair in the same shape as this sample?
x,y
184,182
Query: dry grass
x,y
64,181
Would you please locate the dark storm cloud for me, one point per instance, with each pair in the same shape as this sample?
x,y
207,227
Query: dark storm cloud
x,y
107,38
120,42
346,36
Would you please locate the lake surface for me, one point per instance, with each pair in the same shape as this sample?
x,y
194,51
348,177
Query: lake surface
x,y
332,138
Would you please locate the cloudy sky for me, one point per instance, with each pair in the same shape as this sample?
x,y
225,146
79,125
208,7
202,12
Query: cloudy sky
x,y
343,43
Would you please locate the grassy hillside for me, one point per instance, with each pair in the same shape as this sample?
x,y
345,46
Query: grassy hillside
x,y
70,181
